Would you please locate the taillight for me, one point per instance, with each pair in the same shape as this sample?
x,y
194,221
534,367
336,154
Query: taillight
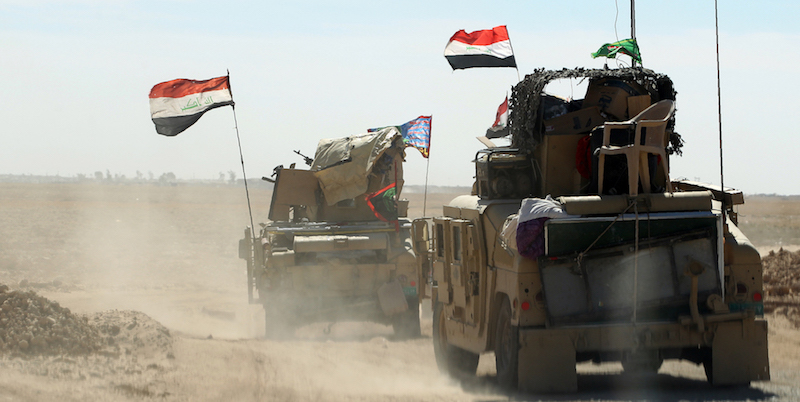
x,y
757,296
526,306
413,283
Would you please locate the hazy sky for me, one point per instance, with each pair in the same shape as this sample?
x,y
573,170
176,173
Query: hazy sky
x,y
78,74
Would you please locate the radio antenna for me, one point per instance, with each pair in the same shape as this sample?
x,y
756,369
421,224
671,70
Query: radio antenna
x,y
719,108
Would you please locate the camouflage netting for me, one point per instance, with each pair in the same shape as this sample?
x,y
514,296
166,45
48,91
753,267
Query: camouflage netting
x,y
525,121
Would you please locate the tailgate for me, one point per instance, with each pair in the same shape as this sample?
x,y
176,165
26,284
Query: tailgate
x,y
602,285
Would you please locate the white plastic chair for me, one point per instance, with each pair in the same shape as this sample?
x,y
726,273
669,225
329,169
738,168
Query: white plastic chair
x,y
654,119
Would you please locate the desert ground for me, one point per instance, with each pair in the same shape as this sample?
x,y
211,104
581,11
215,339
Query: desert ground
x,y
143,297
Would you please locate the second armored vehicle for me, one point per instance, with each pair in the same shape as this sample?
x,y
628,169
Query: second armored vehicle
x,y
337,246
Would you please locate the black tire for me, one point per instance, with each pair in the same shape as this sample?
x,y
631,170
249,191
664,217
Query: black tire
x,y
406,325
707,360
708,367
451,360
506,348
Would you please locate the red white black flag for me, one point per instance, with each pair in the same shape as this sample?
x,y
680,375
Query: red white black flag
x,y
175,105
488,48
500,126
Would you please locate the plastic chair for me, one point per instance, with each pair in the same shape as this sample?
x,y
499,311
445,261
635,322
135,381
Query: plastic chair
x,y
653,121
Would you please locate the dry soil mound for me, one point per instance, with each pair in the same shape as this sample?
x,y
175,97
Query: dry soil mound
x,y
126,349
32,325
132,332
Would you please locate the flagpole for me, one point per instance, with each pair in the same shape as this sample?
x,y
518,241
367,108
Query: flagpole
x,y
513,53
633,28
428,168
241,158
425,194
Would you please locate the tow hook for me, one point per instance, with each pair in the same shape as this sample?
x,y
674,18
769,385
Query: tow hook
x,y
694,269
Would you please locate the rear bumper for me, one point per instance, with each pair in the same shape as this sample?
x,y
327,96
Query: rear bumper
x,y
627,336
738,348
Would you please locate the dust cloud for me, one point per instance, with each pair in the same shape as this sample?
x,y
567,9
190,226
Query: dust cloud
x,y
168,255
155,272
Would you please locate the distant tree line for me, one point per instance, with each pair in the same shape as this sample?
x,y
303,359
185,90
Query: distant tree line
x,y
166,178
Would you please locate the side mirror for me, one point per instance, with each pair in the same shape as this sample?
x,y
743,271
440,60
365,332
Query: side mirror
x,y
244,249
245,245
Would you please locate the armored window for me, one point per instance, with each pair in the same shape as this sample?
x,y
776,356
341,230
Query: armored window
x,y
457,243
439,240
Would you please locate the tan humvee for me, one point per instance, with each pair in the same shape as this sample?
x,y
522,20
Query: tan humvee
x,y
599,275
326,255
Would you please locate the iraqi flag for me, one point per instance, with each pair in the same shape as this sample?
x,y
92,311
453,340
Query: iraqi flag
x,y
500,126
175,105
488,48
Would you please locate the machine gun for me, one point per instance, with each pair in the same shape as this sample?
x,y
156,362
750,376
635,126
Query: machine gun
x,y
306,159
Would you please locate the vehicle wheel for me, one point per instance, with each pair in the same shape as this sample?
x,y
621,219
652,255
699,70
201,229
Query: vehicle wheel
x,y
406,324
709,369
506,348
707,360
451,360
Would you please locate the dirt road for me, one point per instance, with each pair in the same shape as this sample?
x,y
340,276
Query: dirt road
x,y
159,264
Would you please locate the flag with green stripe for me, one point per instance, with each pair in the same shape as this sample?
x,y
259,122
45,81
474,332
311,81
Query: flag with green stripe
x,y
383,203
625,46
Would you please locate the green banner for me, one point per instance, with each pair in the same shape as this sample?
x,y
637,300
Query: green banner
x,y
625,46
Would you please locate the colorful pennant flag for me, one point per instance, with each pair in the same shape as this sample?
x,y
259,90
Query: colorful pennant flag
x,y
416,133
176,105
625,46
487,48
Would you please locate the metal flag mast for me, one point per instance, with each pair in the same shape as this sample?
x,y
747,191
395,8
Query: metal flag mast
x,y
633,28
425,195
241,158
427,169
515,57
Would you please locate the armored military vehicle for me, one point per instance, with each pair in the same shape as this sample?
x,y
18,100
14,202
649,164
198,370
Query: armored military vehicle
x,y
576,246
337,246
